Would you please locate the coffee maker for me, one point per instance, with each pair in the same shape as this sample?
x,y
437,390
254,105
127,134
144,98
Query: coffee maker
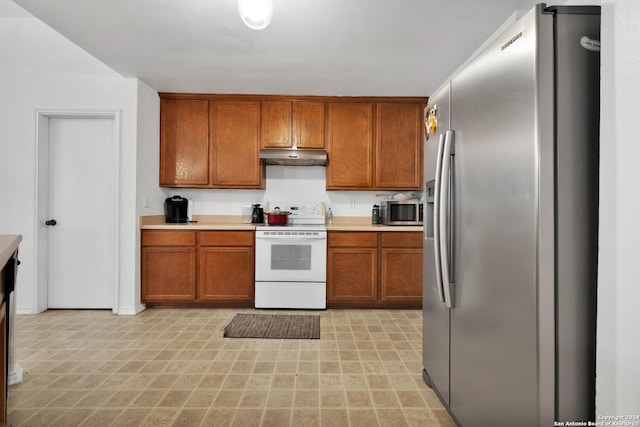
x,y
176,209
257,215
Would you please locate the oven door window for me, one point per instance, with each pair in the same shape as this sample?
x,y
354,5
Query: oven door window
x,y
290,260
291,257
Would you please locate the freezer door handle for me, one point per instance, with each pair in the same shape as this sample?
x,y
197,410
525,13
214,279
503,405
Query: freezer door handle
x,y
436,218
444,223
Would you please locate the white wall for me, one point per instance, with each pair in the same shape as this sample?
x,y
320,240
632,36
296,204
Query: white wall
x,y
618,336
146,168
40,69
283,183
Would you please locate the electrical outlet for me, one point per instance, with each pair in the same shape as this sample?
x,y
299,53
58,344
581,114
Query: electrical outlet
x,y
352,204
145,201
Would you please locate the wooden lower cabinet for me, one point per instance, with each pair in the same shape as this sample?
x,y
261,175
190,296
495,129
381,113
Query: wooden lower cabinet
x,y
352,268
353,274
168,266
226,267
401,267
197,268
374,269
216,268
168,273
401,277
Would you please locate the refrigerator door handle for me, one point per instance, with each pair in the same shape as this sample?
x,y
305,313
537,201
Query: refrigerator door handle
x,y
436,219
445,231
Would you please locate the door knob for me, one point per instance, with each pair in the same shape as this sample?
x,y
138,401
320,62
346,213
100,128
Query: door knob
x,y
51,222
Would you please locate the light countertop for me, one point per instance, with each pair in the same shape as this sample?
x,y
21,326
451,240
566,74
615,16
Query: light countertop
x,y
234,222
363,223
203,222
8,245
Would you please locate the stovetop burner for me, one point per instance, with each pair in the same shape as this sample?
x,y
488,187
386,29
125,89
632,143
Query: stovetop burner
x,y
303,215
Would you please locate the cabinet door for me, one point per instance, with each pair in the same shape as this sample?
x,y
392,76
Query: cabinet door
x,y
350,146
235,143
276,124
168,273
352,275
398,146
287,124
309,124
226,274
401,272
184,142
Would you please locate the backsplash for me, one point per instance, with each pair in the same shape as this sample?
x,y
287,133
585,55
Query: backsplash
x,y
283,183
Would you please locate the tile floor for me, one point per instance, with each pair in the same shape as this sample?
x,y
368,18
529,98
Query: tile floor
x,y
168,367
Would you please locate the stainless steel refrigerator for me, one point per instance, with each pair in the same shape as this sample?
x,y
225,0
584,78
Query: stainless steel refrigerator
x,y
510,240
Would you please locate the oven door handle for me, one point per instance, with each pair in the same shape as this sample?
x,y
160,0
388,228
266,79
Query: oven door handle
x,y
322,236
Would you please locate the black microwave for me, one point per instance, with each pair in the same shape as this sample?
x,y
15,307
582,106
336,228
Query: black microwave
x,y
401,212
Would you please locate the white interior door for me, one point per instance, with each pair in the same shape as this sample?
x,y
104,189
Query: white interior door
x,y
81,174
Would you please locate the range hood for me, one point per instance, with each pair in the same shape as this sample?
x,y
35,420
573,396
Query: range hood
x,y
294,157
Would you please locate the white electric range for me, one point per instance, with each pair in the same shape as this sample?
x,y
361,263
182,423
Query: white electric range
x,y
291,260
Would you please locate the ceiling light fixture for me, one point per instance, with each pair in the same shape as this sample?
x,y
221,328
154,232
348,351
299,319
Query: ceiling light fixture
x,y
256,14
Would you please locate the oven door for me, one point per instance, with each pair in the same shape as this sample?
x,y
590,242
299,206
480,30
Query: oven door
x,y
291,256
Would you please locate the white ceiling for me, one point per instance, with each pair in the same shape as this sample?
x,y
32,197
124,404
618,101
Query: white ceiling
x,y
312,47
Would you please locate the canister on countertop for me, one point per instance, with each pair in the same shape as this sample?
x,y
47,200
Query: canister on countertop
x,y
375,215
246,214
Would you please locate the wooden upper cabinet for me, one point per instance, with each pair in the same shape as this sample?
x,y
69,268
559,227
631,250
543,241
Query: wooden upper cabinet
x,y
277,117
308,124
235,144
184,142
398,146
291,124
214,141
350,145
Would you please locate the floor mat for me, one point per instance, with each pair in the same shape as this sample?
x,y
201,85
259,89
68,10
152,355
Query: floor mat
x,y
292,326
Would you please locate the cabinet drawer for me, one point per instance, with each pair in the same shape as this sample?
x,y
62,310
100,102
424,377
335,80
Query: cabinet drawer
x,y
168,238
401,239
363,239
226,238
